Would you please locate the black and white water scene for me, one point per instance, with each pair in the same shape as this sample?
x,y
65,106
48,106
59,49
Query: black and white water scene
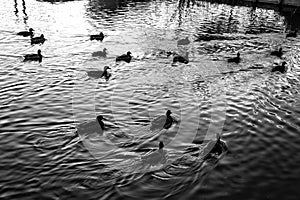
x,y
149,99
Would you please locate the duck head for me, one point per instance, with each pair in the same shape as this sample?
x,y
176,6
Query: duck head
x,y
128,53
106,68
161,145
31,30
42,35
100,118
39,52
280,49
238,55
283,64
168,113
104,49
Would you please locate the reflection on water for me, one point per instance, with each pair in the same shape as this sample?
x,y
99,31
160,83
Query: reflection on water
x,y
53,148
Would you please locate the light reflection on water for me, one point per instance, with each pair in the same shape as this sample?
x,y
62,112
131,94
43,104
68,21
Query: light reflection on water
x,y
42,105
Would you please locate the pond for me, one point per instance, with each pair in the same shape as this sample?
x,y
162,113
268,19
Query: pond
x,y
53,148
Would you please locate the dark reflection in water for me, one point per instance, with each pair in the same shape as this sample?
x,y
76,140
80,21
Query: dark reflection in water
x,y
25,17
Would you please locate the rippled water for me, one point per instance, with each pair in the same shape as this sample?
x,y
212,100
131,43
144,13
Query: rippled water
x,y
51,147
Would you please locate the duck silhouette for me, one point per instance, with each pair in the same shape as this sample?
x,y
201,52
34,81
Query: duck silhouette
x,y
184,41
34,57
26,33
100,53
236,59
292,34
181,59
163,121
277,53
100,74
97,37
125,57
38,40
280,68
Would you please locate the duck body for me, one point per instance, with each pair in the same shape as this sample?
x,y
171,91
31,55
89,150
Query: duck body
x,y
26,33
38,40
236,59
292,34
278,53
100,53
185,41
280,68
125,57
181,59
97,37
34,57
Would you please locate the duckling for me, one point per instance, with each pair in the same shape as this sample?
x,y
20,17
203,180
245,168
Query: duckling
x,y
280,68
34,57
236,59
292,34
105,73
97,37
125,57
278,53
185,41
100,53
26,33
181,59
101,123
38,40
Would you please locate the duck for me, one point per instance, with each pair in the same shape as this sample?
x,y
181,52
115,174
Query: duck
x,y
101,123
181,59
163,122
26,33
236,59
100,53
292,34
125,57
185,41
97,37
99,74
34,57
277,53
280,68
38,40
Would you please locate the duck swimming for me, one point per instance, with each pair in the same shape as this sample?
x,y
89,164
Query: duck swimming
x,y
236,59
292,34
181,59
34,57
125,57
26,33
278,53
97,37
100,53
280,68
38,40
185,41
